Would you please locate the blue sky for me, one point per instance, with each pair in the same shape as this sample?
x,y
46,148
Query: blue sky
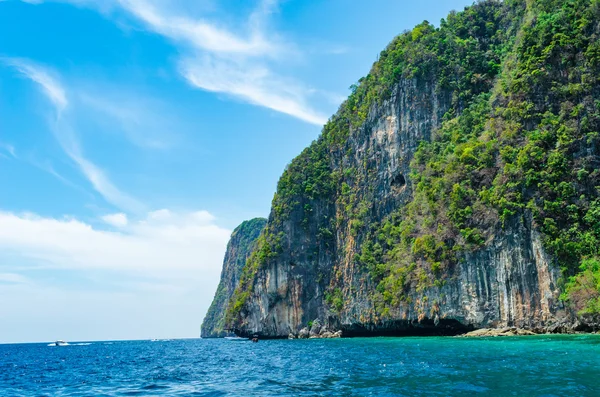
x,y
136,134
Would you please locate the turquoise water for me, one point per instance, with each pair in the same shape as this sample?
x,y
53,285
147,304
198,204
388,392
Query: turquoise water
x,y
515,366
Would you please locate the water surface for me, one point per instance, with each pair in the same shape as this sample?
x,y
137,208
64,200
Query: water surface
x,y
514,366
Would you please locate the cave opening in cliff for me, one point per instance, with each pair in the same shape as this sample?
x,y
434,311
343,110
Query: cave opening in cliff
x,y
399,181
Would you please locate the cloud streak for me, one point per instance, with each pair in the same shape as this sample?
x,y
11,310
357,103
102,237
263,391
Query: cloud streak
x,y
145,122
199,33
8,148
66,136
220,61
254,83
49,84
240,63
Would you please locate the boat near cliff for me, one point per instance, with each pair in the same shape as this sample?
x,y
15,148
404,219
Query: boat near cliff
x,y
236,339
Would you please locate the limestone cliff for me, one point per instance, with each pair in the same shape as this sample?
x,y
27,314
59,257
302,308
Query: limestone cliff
x,y
455,189
242,242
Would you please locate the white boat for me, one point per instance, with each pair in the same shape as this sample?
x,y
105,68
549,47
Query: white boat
x,y
59,343
236,338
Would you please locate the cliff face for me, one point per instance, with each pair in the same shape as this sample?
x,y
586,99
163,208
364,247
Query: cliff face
x,y
242,242
443,195
290,289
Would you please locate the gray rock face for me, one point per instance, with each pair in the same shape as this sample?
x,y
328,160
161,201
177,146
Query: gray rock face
x,y
511,282
290,291
240,246
315,329
304,333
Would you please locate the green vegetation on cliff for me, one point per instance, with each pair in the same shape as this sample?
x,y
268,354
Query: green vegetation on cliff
x,y
583,289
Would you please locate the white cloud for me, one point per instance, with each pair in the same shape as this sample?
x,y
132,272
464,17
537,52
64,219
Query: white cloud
x,y
252,82
240,62
100,181
67,137
66,279
220,61
13,278
117,220
196,32
49,84
161,244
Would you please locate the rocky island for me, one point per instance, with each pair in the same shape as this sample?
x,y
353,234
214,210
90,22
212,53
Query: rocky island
x,y
242,242
457,188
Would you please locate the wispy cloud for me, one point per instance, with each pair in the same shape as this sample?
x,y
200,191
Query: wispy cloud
x,y
42,165
67,137
159,243
219,60
254,83
101,183
8,148
202,34
47,166
241,62
13,278
145,122
49,83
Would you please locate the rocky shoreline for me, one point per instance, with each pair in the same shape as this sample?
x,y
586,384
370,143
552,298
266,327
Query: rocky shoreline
x,y
316,331
319,329
324,333
514,331
507,331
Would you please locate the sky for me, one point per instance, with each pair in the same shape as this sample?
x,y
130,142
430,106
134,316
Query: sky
x,y
135,135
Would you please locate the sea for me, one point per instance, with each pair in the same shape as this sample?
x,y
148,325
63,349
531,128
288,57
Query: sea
x,y
558,365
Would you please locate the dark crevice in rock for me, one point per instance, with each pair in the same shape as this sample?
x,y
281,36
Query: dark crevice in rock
x,y
399,181
425,327
244,333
